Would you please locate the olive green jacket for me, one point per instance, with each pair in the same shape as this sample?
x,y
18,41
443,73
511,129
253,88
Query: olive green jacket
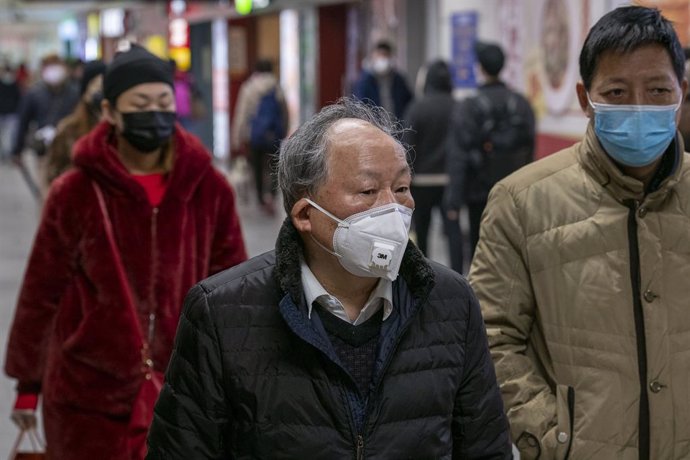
x,y
584,282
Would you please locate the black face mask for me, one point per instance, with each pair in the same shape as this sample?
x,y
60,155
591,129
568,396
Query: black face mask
x,y
148,131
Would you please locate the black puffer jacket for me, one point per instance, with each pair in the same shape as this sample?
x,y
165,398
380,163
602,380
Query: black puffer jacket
x,y
253,377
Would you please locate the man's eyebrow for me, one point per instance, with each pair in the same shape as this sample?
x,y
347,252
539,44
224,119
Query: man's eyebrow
x,y
653,78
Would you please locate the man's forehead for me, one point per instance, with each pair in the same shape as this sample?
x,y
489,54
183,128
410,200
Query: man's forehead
x,y
350,137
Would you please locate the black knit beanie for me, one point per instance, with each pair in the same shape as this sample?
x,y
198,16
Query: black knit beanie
x,y
134,67
92,69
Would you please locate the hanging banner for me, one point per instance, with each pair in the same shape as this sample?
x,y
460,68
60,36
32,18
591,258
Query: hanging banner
x,y
463,36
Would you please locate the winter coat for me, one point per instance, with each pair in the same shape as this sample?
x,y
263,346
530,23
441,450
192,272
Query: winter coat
x,y
76,337
367,89
253,377
428,120
251,92
473,171
583,282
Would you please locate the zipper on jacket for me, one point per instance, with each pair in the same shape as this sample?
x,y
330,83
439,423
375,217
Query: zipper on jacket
x,y
571,418
152,288
360,447
389,358
643,422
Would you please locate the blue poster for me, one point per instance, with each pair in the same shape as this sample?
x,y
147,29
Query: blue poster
x,y
463,29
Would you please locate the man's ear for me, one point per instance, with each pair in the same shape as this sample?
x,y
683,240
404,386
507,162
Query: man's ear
x,y
108,112
300,215
582,99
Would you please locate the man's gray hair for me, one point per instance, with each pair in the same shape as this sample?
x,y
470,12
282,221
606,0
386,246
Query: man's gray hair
x,y
302,163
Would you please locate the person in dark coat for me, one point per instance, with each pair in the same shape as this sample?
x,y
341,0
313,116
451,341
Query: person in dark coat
x,y
141,217
343,342
428,120
493,135
381,84
44,105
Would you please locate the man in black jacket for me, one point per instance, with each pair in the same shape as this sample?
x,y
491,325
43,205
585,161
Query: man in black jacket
x,y
493,135
344,342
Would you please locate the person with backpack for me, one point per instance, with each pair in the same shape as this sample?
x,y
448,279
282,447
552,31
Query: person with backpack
x,y
492,135
259,125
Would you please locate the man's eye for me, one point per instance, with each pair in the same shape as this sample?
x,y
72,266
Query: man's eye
x,y
614,92
403,189
368,192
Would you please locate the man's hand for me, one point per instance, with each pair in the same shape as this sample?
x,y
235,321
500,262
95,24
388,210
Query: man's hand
x,y
25,419
452,214
17,161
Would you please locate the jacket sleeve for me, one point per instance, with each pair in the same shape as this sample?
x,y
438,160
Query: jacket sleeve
x,y
192,416
480,427
500,277
532,131
462,139
51,265
228,247
27,109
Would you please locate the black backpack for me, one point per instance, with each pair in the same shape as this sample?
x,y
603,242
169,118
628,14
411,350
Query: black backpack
x,y
506,139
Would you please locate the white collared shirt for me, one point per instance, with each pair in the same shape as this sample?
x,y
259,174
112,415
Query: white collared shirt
x,y
381,296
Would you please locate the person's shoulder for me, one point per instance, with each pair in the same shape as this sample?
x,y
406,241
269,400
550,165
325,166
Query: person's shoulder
x,y
553,169
256,272
683,184
448,283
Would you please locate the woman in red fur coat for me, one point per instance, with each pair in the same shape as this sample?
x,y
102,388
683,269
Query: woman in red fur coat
x,y
140,219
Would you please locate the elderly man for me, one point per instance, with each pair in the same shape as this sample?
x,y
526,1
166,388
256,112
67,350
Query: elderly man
x,y
583,263
345,341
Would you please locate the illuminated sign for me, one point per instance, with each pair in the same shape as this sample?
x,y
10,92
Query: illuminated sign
x,y
244,7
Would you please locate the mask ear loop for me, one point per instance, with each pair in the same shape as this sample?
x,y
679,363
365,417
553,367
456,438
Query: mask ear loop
x,y
340,224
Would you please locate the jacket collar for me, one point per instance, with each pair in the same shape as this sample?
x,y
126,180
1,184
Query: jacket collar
x,y
599,165
414,269
96,155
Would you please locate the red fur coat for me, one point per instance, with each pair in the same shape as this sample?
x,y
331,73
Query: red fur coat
x,y
76,338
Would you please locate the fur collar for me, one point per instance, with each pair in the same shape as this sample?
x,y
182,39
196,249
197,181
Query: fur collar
x,y
95,155
415,269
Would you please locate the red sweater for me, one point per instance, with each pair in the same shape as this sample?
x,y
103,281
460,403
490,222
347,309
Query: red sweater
x,y
78,329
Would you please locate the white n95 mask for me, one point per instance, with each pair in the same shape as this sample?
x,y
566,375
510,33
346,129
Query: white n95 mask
x,y
371,243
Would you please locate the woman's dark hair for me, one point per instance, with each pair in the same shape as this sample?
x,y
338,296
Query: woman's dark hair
x,y
625,29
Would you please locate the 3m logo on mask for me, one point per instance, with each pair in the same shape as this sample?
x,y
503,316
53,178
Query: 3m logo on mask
x,y
382,255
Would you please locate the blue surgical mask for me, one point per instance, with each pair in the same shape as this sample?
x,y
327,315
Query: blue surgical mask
x,y
634,135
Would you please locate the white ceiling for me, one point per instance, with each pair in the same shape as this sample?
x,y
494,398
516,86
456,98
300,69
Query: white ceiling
x,y
37,12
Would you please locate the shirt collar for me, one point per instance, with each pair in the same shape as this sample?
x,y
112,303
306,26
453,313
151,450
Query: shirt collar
x,y
315,292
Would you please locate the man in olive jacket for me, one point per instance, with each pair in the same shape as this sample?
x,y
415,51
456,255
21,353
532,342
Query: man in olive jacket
x,y
319,349
583,264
